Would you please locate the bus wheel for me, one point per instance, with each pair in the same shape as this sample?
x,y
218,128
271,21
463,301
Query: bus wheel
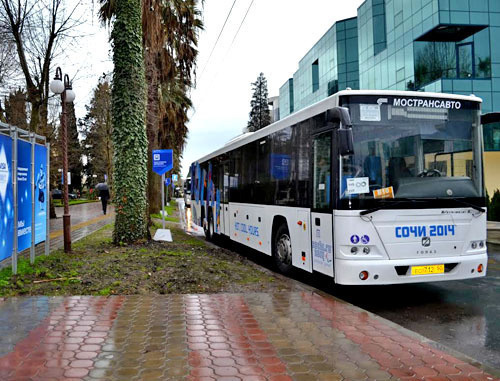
x,y
282,250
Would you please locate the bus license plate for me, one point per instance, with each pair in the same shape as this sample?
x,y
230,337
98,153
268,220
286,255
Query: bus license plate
x,y
431,269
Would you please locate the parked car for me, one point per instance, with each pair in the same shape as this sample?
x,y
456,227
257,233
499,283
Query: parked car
x,y
57,194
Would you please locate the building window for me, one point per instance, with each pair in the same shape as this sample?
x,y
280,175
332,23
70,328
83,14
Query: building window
x,y
466,59
315,76
491,134
465,54
379,27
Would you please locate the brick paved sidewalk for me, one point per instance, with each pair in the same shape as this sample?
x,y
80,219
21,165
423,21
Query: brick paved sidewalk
x,y
282,336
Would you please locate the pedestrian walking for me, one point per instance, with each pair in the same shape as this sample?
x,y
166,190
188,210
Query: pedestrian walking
x,y
103,195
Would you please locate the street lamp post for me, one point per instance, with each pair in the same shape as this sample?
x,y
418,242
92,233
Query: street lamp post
x,y
67,96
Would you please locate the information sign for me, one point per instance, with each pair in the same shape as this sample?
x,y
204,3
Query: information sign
x,y
162,161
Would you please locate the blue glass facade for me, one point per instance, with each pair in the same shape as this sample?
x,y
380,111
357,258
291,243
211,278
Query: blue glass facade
x,y
330,65
427,45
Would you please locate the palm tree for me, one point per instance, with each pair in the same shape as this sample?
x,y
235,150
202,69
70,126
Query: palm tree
x,y
169,37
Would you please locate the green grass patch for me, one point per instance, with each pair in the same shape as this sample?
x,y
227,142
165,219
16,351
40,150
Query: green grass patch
x,y
73,202
98,267
171,209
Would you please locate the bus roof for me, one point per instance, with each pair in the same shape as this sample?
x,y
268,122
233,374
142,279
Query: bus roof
x,y
322,106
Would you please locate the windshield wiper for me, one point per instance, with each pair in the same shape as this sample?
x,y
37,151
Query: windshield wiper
x,y
475,207
372,210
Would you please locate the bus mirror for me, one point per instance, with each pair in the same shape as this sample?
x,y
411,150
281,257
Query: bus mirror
x,y
340,114
345,140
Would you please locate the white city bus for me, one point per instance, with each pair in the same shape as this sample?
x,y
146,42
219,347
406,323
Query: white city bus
x,y
368,187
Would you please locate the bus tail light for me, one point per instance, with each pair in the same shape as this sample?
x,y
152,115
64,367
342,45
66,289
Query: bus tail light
x,y
480,268
363,275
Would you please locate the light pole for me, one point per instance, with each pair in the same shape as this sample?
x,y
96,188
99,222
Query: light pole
x,y
67,96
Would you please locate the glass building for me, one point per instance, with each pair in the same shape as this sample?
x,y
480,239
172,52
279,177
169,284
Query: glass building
x,y
329,66
449,46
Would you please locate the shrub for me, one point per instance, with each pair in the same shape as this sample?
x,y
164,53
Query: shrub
x,y
494,207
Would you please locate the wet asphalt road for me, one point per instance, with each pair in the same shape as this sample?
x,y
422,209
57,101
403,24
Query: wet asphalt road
x,y
462,315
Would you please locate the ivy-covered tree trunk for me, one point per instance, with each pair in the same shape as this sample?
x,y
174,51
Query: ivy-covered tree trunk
x,y
129,130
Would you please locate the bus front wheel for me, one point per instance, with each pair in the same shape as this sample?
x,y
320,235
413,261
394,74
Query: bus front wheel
x,y
282,250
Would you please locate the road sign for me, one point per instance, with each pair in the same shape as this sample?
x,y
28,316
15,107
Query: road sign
x,y
163,161
175,178
167,181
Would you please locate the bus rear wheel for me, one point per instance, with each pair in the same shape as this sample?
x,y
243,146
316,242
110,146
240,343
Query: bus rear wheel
x,y
282,250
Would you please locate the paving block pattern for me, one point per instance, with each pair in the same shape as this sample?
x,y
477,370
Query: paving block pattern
x,y
270,337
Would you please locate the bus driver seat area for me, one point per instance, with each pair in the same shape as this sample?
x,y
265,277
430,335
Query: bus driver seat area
x,y
373,169
397,169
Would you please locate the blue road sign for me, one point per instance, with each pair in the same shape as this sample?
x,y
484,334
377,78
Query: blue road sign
x,y
163,160
175,178
167,181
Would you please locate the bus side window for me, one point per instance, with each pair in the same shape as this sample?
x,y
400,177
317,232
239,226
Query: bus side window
x,y
302,149
282,162
263,188
234,179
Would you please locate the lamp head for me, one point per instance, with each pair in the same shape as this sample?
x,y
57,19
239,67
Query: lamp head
x,y
70,94
57,86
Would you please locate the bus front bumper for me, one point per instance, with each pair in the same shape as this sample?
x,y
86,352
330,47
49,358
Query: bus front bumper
x,y
347,272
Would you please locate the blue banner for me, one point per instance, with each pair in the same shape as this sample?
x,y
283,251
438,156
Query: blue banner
x,y
23,195
41,196
6,198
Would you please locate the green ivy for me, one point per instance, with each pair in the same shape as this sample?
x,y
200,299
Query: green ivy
x,y
129,128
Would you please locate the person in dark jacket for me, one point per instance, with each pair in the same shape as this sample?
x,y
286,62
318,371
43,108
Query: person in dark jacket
x,y
104,195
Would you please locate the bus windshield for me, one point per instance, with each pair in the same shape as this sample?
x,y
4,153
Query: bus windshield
x,y
412,147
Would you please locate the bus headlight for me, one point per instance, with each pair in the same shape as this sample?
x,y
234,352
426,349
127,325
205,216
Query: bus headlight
x,y
481,244
366,250
474,245
354,250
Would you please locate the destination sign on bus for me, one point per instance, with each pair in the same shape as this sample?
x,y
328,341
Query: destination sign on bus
x,y
427,103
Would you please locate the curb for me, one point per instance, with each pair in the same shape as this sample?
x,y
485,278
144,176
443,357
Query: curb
x,y
459,355
406,331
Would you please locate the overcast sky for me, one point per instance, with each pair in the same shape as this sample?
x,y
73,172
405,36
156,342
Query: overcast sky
x,y
276,34
274,37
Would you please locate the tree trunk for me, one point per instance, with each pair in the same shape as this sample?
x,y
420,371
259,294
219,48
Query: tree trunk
x,y
129,130
152,123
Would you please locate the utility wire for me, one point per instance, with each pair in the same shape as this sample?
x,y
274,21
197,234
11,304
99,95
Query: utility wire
x,y
241,24
218,37
230,46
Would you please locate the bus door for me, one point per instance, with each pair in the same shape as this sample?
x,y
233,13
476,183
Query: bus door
x,y
321,213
